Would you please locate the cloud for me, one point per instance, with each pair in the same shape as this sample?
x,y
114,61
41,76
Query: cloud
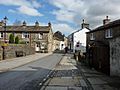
x,y
64,28
23,6
28,11
11,11
63,15
15,2
36,4
93,11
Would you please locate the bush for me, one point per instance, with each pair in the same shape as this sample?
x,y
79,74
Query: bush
x,y
16,40
11,38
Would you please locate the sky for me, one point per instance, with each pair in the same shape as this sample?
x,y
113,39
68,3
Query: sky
x,y
65,15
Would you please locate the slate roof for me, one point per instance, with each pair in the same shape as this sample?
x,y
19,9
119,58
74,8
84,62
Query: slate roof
x,y
58,36
109,25
26,29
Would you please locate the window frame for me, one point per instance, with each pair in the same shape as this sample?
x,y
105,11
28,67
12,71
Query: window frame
x,y
92,36
25,35
108,33
40,35
1,34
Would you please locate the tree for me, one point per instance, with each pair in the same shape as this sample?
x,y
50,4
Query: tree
x,y
11,38
16,40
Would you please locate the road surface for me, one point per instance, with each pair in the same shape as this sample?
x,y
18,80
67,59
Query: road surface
x,y
28,76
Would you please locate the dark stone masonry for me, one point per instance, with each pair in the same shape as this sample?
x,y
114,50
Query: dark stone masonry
x,y
16,50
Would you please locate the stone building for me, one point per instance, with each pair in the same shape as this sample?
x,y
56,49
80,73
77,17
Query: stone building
x,y
39,37
102,44
59,42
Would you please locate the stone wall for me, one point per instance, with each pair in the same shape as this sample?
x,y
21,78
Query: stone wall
x,y
115,57
10,50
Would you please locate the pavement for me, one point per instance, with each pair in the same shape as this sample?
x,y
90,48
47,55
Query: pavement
x,y
71,75
98,80
8,64
66,76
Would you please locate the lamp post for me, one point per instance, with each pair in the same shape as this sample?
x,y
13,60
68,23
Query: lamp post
x,y
3,46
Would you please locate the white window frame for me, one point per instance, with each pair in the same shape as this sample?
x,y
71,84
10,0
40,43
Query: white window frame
x,y
40,36
1,35
25,35
108,33
92,37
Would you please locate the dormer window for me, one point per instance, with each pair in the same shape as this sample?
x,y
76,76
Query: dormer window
x,y
108,33
25,35
92,37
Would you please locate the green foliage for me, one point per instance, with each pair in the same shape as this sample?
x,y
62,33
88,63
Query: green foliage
x,y
16,40
11,38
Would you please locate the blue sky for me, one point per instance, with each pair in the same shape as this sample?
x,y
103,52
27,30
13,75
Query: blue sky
x,y
65,15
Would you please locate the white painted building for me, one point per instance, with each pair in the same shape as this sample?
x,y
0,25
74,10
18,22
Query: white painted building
x,y
62,45
77,40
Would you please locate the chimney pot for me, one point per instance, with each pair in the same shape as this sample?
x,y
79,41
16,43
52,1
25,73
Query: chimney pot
x,y
24,23
36,23
84,25
49,24
106,21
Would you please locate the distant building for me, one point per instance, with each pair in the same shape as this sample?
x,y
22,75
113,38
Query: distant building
x,y
60,41
77,40
103,47
39,37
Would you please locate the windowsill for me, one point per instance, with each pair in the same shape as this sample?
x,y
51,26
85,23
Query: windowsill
x,y
92,39
40,38
109,37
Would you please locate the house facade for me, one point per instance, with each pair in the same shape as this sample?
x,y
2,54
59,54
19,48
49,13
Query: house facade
x,y
39,37
59,42
77,40
100,49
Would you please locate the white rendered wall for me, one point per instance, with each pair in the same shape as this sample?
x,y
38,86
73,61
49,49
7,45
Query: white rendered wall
x,y
80,36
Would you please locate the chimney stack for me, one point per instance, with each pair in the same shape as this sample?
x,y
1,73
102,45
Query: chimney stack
x,y
106,21
24,23
36,23
49,24
84,25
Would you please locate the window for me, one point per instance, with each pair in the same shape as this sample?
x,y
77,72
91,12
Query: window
x,y
92,37
108,33
1,35
77,44
40,35
25,35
